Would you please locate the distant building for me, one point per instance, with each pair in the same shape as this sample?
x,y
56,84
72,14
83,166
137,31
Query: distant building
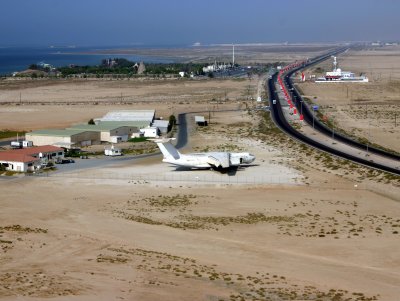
x,y
216,67
141,69
44,65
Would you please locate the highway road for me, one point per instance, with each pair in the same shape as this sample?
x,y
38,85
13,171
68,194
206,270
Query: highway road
x,y
308,115
280,120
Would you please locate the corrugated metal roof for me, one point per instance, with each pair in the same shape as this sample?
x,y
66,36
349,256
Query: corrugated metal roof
x,y
58,133
25,154
129,115
109,125
36,150
160,123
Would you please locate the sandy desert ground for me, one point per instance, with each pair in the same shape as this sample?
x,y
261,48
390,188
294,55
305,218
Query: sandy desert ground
x,y
123,233
295,225
369,110
61,103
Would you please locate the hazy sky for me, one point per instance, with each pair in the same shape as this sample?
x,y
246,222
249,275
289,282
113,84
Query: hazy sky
x,y
158,22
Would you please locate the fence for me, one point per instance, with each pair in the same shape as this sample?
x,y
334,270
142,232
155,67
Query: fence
x,y
184,177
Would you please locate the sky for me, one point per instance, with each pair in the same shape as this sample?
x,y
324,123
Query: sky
x,y
184,22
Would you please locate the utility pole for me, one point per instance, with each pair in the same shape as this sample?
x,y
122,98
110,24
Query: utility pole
x,y
233,55
301,107
313,117
369,137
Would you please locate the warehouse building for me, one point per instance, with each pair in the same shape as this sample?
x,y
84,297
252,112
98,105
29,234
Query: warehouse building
x,y
68,138
129,115
113,131
162,125
30,159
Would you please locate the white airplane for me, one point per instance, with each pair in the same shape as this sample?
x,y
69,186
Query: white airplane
x,y
216,160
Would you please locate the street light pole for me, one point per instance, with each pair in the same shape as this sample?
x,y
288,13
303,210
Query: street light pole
x,y
301,107
313,117
369,136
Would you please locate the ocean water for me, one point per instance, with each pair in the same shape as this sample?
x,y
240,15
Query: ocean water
x,y
19,58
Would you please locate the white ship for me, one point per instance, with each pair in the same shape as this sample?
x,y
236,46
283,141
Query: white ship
x,y
337,75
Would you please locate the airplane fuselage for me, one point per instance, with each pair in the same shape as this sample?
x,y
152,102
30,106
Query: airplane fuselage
x,y
217,160
202,160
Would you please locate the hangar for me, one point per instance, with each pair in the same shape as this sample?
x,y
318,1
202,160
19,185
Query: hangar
x,y
113,131
68,138
162,125
129,115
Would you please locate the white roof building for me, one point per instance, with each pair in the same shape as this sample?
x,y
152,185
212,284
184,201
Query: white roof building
x,y
162,125
130,115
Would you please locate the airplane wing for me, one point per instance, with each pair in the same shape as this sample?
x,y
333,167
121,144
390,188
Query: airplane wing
x,y
219,159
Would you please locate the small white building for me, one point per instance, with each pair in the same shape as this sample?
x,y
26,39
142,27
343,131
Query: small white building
x,y
162,125
18,162
30,159
150,132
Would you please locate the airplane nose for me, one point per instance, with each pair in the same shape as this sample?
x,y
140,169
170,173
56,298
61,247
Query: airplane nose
x,y
251,158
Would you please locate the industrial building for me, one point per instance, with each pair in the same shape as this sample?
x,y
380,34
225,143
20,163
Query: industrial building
x,y
129,115
150,132
68,138
162,125
113,131
114,127
30,159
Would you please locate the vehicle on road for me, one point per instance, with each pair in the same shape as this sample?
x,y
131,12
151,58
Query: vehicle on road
x,y
65,161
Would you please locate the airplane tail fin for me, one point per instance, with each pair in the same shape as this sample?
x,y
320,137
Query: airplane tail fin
x,y
169,151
